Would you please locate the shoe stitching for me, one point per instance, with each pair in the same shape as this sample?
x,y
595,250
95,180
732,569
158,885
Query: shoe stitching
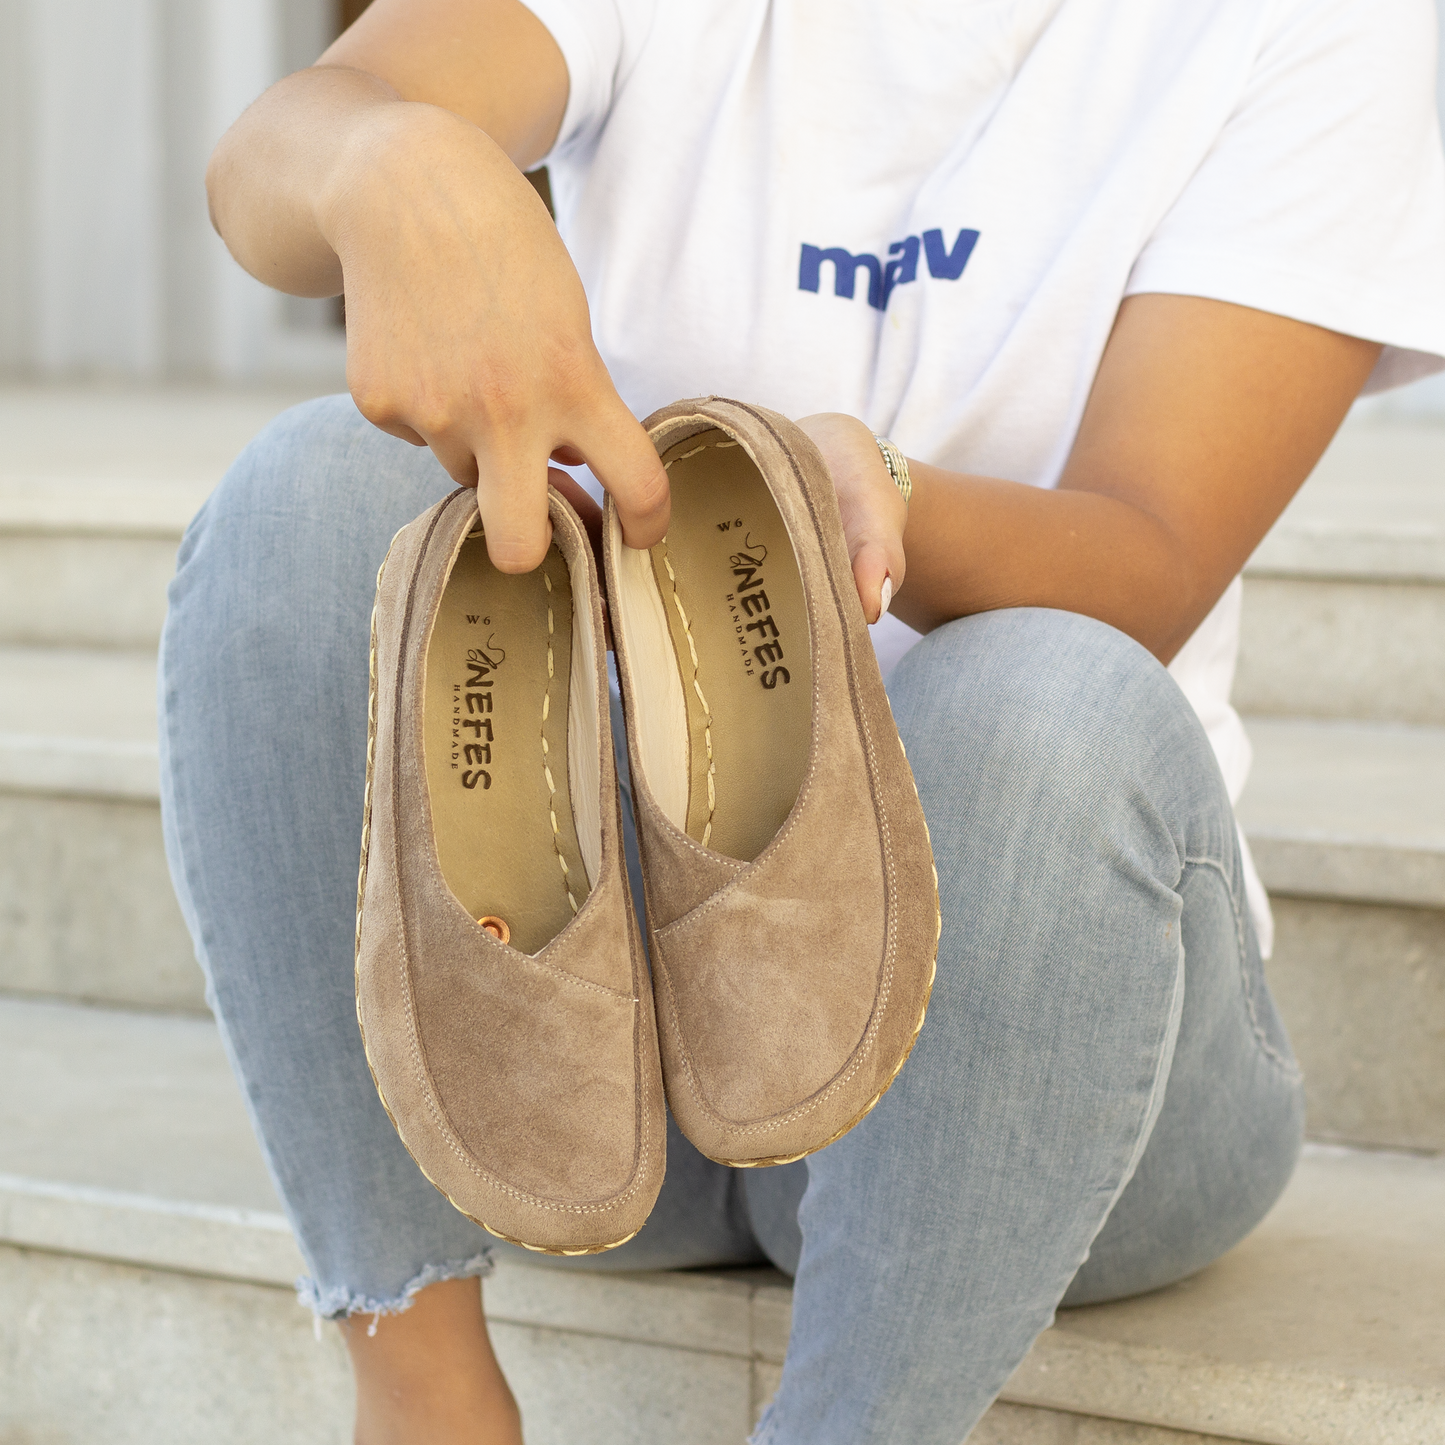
x,y
890,865
890,869
370,748
711,855
755,867
429,862
817,681
440,1120
696,676
534,960
564,948
861,1053
866,1044
761,863
546,765
780,1120
448,1132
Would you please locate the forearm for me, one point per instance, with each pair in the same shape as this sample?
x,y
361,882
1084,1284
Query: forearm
x,y
392,168
271,170
324,147
975,544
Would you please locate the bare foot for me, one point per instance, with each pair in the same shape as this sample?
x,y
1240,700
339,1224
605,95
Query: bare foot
x,y
428,1375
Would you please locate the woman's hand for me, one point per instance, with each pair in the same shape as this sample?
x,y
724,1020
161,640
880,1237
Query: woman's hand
x,y
392,169
468,330
874,512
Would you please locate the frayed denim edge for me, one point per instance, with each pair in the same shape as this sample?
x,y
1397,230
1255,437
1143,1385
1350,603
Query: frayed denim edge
x,y
338,1302
763,1430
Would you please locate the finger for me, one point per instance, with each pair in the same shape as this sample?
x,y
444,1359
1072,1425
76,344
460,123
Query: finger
x,y
624,460
878,569
512,501
457,458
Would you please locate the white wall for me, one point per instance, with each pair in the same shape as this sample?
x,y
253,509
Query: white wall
x,y
1425,400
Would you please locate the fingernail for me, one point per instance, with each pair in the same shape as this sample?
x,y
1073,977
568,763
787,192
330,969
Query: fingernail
x,y
886,596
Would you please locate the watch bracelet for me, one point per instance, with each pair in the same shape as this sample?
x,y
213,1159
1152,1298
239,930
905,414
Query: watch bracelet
x,y
897,465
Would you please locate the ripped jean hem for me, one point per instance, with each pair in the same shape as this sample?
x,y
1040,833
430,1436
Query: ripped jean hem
x,y
338,1302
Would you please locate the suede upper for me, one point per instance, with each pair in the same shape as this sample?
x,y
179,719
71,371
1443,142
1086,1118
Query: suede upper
x,y
789,989
527,1088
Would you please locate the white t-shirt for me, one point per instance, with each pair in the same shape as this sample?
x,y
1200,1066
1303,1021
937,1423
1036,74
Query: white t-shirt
x,y
926,214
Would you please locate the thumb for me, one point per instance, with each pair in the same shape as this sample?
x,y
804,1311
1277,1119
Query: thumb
x,y
877,574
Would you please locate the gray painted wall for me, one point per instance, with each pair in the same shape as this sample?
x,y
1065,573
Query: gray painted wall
x,y
108,264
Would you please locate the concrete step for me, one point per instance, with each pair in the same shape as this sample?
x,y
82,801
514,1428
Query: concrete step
x,y
1344,601
147,1273
1348,810
86,906
96,487
1347,822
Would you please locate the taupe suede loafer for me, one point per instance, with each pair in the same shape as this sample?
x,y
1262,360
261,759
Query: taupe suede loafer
x,y
500,980
791,896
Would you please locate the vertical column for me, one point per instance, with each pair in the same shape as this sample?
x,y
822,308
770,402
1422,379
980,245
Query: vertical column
x,y
192,262
17,278
1440,74
255,331
95,181
242,60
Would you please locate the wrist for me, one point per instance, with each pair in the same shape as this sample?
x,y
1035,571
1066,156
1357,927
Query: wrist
x,y
389,149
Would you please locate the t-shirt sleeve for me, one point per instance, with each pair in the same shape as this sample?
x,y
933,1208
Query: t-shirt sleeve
x,y
599,40
1323,198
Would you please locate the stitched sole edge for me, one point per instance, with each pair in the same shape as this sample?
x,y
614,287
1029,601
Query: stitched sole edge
x,y
356,969
917,1028
937,935
870,1105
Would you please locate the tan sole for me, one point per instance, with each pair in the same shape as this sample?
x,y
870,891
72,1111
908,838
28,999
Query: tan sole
x,y
866,1109
897,1068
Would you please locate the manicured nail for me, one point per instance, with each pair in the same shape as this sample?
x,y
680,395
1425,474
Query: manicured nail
x,y
886,596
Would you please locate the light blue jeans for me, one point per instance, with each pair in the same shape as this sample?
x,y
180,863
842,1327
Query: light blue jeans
x,y
1102,1101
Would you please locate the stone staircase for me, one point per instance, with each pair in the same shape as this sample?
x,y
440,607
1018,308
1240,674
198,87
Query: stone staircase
x,y
146,1267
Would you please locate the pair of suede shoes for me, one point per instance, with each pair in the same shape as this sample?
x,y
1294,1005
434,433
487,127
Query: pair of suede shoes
x,y
518,1042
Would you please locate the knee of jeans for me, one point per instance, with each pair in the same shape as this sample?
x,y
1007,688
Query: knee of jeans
x,y
288,468
1063,699
302,517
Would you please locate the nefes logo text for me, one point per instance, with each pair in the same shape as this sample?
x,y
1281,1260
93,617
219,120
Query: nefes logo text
x,y
899,270
476,692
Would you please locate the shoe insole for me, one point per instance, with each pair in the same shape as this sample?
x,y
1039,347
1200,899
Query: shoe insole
x,y
739,623
498,668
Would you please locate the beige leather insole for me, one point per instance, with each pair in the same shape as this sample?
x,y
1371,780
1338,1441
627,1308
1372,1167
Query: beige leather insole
x,y
495,739
739,624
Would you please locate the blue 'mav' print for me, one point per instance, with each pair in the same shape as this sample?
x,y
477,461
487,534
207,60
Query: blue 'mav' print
x,y
898,270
